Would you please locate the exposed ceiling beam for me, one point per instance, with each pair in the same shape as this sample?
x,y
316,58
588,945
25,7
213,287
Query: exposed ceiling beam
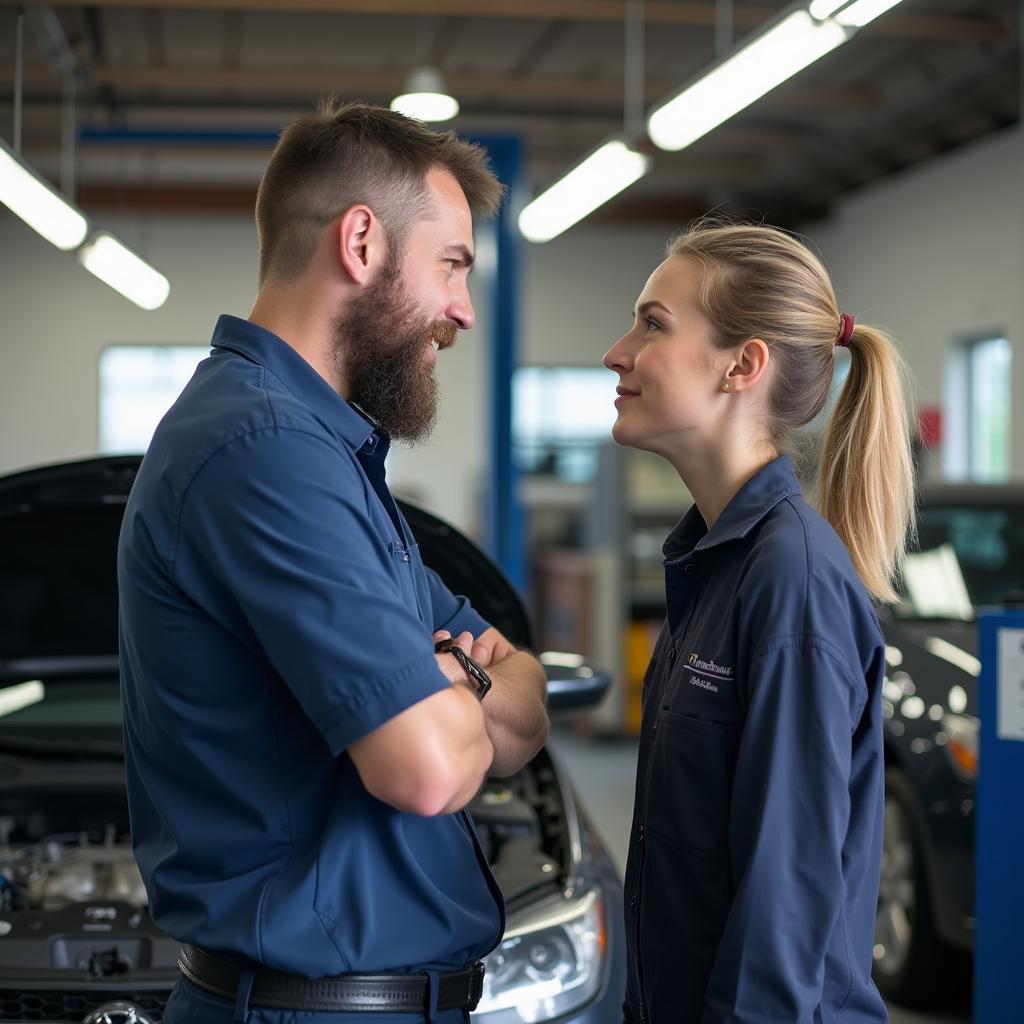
x,y
241,200
656,12
176,114
541,132
184,199
371,84
676,212
668,168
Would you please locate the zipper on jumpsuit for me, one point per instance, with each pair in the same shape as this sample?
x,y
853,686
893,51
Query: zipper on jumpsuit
x,y
642,854
640,838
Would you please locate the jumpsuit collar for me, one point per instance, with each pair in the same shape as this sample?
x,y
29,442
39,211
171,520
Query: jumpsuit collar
x,y
751,503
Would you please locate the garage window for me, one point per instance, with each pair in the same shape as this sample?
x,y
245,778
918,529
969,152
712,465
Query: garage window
x,y
560,416
979,393
138,384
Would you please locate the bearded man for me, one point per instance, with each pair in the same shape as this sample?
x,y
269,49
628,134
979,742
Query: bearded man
x,y
298,753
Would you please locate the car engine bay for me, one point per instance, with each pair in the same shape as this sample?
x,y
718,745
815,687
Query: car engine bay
x,y
72,898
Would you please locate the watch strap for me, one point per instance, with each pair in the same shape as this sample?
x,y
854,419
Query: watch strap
x,y
479,678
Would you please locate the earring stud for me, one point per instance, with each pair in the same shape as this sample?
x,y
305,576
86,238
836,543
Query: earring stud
x,y
727,386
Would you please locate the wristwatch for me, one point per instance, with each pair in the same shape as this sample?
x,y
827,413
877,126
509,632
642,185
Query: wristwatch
x,y
477,676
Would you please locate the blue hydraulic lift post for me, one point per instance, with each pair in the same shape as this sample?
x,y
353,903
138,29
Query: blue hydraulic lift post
x,y
503,535
999,830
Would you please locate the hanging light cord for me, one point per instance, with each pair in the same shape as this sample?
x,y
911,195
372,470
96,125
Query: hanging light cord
x,y
723,27
633,79
19,61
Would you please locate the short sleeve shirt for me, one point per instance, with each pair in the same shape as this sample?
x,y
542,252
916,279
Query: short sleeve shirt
x,y
274,609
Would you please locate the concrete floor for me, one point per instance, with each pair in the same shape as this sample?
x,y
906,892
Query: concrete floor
x,y
603,774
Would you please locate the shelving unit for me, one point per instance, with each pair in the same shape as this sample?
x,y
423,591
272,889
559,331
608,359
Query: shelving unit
x,y
597,577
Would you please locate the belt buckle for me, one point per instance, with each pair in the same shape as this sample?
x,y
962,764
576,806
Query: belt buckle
x,y
476,984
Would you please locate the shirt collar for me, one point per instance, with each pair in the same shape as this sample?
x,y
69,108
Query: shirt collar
x,y
266,349
751,503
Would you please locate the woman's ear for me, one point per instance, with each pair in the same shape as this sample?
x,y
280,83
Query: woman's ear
x,y
362,244
751,363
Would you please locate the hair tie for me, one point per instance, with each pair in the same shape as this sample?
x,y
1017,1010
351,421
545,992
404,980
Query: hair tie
x,y
845,330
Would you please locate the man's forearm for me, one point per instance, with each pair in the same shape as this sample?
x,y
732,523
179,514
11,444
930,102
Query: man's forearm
x,y
515,711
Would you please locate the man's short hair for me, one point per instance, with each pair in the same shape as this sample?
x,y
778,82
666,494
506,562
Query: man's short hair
x,y
350,153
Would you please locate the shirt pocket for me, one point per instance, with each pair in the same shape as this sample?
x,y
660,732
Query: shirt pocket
x,y
411,579
690,782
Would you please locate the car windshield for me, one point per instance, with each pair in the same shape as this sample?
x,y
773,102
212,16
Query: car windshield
x,y
69,715
965,557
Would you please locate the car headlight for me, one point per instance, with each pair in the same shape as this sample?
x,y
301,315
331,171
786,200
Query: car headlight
x,y
549,963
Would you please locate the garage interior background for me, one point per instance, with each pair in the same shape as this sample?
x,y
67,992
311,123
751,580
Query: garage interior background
x,y
900,156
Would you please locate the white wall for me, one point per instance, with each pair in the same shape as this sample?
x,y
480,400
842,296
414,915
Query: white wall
x,y
580,288
55,319
936,255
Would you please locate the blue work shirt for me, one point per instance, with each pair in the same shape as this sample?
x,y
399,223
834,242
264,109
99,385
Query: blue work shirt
x,y
275,609
756,845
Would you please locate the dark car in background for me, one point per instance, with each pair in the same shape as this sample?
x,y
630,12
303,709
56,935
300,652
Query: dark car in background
x,y
76,940
969,554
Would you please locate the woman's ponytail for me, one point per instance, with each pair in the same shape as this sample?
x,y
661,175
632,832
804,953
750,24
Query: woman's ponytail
x,y
866,478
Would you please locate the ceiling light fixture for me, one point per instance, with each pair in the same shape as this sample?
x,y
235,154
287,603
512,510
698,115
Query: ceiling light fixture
x,y
853,15
590,184
609,169
115,264
59,220
822,9
39,204
425,97
777,54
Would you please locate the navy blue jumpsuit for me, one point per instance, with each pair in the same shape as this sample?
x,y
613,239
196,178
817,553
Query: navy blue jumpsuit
x,y
274,609
755,851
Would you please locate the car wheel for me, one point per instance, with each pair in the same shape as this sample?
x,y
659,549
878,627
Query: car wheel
x,y
912,964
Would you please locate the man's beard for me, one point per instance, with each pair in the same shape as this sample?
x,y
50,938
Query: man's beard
x,y
379,342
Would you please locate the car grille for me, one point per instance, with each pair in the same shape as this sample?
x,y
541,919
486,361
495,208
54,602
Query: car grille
x,y
50,1005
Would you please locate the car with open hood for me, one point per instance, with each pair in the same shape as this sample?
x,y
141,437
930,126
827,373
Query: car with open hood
x,y
76,940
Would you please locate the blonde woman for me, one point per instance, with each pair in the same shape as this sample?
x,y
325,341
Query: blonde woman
x,y
757,832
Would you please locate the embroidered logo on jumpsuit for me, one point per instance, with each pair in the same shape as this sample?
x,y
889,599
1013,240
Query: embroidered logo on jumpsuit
x,y
707,674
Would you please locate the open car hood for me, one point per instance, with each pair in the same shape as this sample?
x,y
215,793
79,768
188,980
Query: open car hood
x,y
58,551
59,527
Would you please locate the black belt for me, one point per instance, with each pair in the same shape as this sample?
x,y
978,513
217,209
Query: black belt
x,y
344,993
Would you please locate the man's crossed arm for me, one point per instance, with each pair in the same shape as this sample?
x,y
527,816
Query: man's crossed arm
x,y
433,757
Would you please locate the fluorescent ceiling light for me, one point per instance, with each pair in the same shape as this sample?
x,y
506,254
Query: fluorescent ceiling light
x,y
21,695
116,265
854,15
858,14
602,175
757,68
822,9
39,204
425,97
